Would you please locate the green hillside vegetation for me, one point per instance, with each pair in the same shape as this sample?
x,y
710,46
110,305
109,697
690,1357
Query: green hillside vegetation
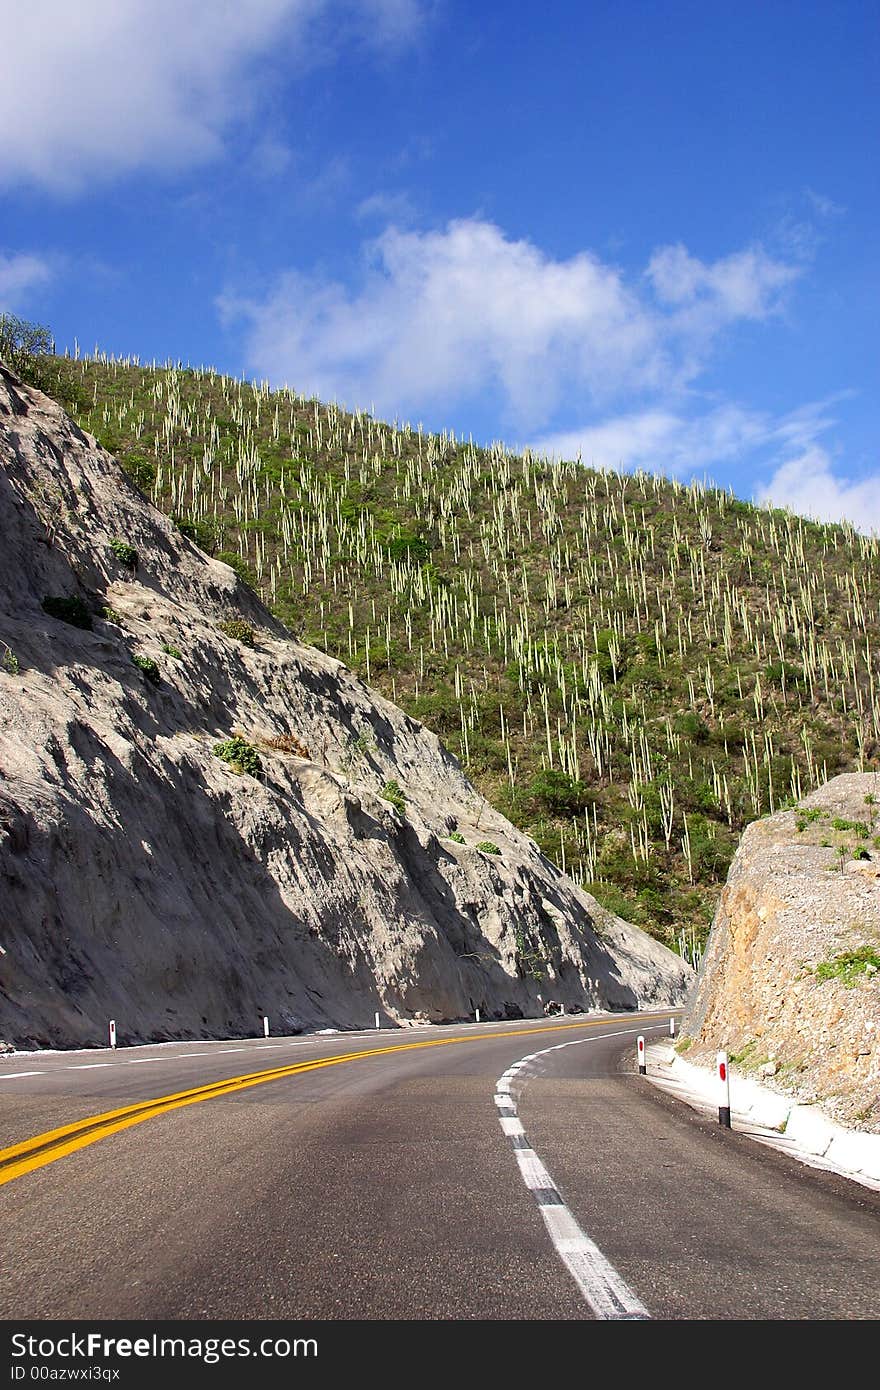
x,y
629,668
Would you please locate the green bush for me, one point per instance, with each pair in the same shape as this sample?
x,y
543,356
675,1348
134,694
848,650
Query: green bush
x,y
559,792
488,847
149,668
240,631
409,549
68,609
235,562
110,615
125,554
203,533
456,836
857,825
691,726
10,662
849,966
139,470
172,651
241,755
393,792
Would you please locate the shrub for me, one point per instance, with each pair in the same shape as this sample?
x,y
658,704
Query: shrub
x,y
559,792
241,755
110,615
10,662
203,533
240,631
857,825
172,651
456,836
149,668
139,470
285,743
861,853
68,609
125,554
692,726
849,966
392,792
235,562
409,549
488,847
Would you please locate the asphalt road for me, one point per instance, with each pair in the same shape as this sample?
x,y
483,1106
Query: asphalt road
x,y
383,1187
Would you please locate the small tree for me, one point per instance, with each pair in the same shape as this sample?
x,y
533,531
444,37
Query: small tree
x,y
21,343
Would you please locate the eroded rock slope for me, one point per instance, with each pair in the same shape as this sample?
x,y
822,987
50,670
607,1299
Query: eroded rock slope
x,y
790,984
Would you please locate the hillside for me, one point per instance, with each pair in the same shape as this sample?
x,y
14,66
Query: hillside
x,y
202,821
630,669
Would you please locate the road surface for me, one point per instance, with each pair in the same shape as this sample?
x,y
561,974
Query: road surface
x,y
386,1176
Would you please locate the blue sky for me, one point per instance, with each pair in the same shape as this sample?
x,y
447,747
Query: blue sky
x,y
642,233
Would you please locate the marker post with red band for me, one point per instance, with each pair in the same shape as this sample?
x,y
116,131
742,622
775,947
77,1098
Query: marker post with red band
x,y
113,1032
640,1047
724,1090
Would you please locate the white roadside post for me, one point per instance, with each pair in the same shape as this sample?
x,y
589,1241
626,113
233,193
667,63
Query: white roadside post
x,y
477,1015
113,1032
724,1090
672,1028
640,1046
265,1025
377,1020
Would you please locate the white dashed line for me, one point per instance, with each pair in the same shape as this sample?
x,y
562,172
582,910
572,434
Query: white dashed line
x,y
87,1066
11,1075
599,1282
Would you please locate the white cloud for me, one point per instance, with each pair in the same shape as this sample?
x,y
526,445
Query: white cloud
x,y
663,441
444,316
93,89
386,207
701,299
743,285
809,486
448,316
660,441
19,273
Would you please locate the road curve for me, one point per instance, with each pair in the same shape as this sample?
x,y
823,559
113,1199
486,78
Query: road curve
x,y
370,1178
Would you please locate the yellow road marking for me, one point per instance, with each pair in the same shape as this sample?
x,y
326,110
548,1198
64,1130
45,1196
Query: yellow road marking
x,y
47,1148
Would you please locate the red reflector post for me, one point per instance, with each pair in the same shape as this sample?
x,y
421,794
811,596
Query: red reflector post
x,y
723,1090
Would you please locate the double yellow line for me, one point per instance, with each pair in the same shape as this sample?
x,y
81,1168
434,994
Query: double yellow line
x,y
47,1148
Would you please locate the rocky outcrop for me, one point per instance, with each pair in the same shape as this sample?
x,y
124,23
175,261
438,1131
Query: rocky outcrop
x,y
145,878
790,984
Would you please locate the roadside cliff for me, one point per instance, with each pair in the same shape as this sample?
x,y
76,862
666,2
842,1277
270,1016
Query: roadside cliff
x,y
790,983
202,821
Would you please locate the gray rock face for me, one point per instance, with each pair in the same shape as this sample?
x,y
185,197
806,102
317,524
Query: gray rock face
x,y
143,878
790,983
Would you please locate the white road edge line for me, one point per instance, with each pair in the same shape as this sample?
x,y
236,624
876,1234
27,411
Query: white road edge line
x,y
599,1282
11,1075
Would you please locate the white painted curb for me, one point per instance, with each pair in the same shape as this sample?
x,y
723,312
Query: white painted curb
x,y
799,1130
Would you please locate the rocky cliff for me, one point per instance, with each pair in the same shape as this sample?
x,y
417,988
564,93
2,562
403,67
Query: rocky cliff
x,y
202,821
790,983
